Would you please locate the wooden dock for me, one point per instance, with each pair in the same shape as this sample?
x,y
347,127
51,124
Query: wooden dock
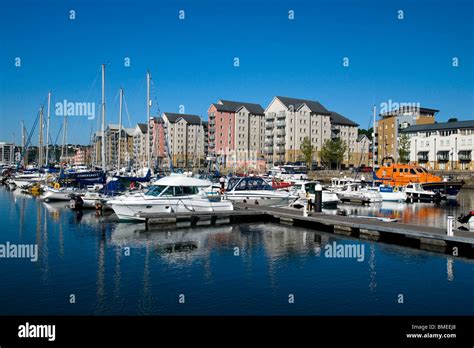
x,y
423,237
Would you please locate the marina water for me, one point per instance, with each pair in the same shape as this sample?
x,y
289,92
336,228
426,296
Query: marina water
x,y
91,264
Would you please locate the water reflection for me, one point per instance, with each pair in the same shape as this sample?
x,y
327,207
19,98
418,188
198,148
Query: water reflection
x,y
272,259
428,214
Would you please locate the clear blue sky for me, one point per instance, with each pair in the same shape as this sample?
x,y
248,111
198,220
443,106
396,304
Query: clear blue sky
x,y
191,60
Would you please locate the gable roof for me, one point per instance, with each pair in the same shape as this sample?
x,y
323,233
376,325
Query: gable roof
x,y
142,127
438,126
174,117
362,136
339,119
313,105
235,106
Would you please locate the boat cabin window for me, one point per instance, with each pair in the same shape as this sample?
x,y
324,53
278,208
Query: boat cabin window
x,y
185,190
249,184
395,170
412,171
410,186
155,190
405,170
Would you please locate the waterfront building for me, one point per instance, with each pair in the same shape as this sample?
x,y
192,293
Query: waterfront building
x,y
185,139
139,146
390,124
236,130
112,145
444,146
7,153
289,120
157,131
362,155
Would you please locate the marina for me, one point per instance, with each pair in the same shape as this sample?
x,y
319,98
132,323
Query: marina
x,y
128,268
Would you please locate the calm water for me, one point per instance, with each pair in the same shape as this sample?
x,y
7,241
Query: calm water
x,y
85,256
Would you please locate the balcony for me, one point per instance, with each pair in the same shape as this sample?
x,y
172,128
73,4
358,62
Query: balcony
x,y
281,124
281,115
465,156
443,156
211,144
268,133
212,122
280,132
212,115
269,150
212,130
212,137
423,156
269,142
280,141
270,116
269,125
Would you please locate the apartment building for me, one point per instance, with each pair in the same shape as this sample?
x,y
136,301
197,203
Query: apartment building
x,y
157,141
444,146
236,129
390,124
7,153
288,121
112,145
185,139
363,153
347,131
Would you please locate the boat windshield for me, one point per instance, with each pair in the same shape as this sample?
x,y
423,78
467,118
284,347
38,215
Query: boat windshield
x,y
155,190
248,184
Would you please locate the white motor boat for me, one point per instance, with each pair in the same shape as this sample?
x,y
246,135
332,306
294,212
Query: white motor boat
x,y
416,192
26,180
304,190
57,194
255,190
390,193
355,193
171,194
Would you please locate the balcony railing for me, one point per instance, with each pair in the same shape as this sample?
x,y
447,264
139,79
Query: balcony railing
x,y
280,131
280,124
211,144
281,115
465,156
280,141
270,116
268,133
212,130
212,137
269,142
268,125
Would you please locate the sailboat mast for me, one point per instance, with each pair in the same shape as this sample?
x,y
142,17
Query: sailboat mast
x,y
40,147
23,144
120,130
47,129
373,137
148,105
103,117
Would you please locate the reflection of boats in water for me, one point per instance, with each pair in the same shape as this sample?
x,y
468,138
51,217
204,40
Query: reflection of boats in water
x,y
180,243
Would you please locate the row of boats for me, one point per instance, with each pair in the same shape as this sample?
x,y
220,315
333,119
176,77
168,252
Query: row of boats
x,y
132,195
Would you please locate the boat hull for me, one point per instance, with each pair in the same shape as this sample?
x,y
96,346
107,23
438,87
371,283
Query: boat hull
x,y
449,189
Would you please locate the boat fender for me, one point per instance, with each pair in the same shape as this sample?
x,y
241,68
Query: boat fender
x,y
395,189
57,185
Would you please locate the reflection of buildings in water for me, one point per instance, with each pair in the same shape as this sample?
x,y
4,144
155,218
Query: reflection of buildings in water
x,y
450,268
173,245
100,282
372,270
146,301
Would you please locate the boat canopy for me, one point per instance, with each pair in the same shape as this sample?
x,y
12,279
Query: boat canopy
x,y
182,180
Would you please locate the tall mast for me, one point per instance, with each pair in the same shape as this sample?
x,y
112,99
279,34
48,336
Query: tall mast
x,y
103,117
47,129
23,144
148,105
40,147
63,147
373,137
120,130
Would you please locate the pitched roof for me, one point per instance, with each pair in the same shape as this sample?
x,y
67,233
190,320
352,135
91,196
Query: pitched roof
x,y
314,106
173,118
439,126
234,106
143,127
361,136
339,119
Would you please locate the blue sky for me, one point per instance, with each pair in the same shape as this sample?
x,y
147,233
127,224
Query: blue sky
x,y
192,60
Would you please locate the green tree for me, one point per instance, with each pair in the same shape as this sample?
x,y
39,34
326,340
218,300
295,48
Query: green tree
x,y
453,119
307,151
404,149
332,152
367,132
